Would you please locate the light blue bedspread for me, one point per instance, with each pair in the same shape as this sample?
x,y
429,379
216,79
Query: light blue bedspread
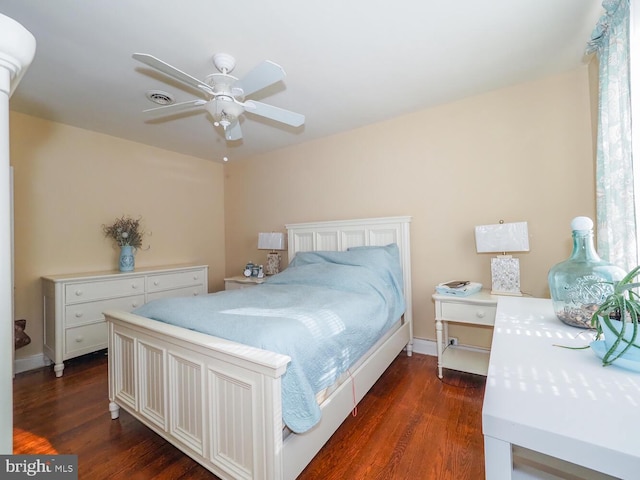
x,y
324,311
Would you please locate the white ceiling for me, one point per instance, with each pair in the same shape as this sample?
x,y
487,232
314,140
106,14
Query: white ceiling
x,y
349,63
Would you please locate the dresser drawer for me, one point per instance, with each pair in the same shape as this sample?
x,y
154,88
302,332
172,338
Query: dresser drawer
x,y
193,291
85,339
168,281
89,291
79,313
469,313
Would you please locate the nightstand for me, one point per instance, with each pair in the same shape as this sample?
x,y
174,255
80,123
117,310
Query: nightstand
x,y
240,281
478,309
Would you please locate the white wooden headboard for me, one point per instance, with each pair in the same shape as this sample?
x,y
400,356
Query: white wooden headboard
x,y
342,234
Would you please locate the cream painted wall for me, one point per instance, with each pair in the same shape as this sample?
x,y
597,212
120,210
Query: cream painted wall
x,y
520,153
69,181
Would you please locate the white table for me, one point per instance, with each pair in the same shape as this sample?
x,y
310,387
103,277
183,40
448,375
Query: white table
x,y
545,406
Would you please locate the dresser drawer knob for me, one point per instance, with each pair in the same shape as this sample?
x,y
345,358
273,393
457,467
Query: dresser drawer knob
x,y
156,283
480,314
134,286
134,304
79,339
78,314
78,293
195,277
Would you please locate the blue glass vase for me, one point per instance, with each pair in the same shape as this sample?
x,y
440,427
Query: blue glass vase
x,y
127,260
577,285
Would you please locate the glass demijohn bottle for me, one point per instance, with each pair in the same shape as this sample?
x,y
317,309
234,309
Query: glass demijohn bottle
x,y
576,285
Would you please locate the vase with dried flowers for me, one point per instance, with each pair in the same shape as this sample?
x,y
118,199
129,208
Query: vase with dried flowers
x,y
127,233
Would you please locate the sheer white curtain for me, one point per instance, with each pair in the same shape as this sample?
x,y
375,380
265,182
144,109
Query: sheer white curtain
x,y
615,200
634,63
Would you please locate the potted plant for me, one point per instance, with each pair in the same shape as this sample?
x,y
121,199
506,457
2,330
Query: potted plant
x,y
617,319
127,234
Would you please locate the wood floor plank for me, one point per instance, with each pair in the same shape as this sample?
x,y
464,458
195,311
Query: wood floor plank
x,y
410,425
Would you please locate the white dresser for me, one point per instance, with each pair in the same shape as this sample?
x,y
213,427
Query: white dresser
x,y
73,303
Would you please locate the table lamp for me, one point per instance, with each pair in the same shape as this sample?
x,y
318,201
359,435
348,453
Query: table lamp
x,y
271,241
505,269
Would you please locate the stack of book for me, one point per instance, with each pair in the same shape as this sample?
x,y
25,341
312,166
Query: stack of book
x,y
459,288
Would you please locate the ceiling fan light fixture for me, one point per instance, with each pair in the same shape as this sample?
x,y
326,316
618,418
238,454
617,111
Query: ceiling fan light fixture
x,y
223,111
160,97
224,62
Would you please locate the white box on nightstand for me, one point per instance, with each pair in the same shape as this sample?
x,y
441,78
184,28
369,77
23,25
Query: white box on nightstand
x,y
240,281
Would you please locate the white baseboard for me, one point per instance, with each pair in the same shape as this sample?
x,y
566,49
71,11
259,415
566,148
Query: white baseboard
x,y
420,345
425,347
30,363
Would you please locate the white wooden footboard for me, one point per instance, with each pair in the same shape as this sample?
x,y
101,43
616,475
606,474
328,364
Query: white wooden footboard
x,y
217,401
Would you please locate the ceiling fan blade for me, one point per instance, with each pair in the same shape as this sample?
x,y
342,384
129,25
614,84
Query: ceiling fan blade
x,y
264,74
274,113
177,106
171,71
233,131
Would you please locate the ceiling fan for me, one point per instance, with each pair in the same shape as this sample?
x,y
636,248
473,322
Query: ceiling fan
x,y
225,95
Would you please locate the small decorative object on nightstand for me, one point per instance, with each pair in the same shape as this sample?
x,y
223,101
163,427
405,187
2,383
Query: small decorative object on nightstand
x,y
459,288
271,241
478,309
505,269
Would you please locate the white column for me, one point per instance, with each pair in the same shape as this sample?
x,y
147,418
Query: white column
x,y
17,47
6,284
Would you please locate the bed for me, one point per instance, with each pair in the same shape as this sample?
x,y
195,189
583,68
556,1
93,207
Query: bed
x,y
220,401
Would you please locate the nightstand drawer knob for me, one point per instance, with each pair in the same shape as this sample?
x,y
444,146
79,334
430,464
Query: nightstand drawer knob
x,y
78,293
78,314
156,283
134,286
134,304
79,338
480,314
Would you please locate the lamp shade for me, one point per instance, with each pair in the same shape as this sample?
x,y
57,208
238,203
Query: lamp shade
x,y
271,241
502,237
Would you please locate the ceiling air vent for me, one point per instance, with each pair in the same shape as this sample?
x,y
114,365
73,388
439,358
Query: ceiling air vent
x,y
160,97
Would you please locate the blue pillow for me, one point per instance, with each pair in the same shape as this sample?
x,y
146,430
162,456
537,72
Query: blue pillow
x,y
383,260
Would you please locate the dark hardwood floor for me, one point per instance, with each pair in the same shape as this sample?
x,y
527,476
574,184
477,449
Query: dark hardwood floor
x,y
410,425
